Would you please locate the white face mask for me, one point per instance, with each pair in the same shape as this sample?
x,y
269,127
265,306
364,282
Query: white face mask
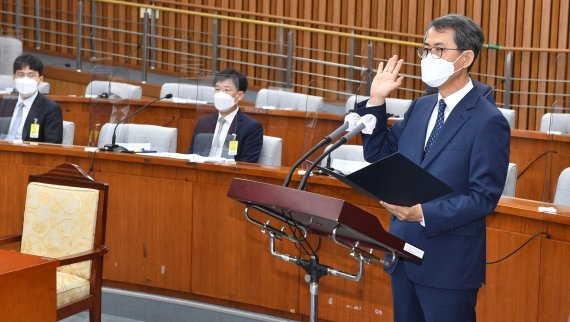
x,y
436,71
26,86
224,101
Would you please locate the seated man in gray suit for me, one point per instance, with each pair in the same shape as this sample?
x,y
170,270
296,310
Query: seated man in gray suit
x,y
229,133
30,116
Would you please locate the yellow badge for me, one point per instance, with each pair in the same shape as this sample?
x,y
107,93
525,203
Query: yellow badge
x,y
233,147
35,130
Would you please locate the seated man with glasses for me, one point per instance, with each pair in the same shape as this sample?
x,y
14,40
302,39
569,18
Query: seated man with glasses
x,y
462,139
31,116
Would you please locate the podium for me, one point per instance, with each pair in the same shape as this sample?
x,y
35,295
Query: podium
x,y
303,213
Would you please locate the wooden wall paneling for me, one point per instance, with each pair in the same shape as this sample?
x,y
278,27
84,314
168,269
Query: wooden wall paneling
x,y
562,60
152,248
515,275
222,238
525,155
554,281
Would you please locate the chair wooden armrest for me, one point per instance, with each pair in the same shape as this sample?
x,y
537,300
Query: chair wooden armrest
x,y
10,239
83,256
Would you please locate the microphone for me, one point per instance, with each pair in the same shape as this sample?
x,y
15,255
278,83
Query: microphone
x,y
109,93
327,139
366,124
363,75
494,87
113,147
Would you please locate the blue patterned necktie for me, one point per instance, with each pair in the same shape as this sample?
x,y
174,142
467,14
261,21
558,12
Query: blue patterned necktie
x,y
12,135
437,127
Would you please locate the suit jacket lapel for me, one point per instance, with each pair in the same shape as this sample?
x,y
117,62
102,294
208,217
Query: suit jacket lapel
x,y
229,137
460,114
424,113
32,114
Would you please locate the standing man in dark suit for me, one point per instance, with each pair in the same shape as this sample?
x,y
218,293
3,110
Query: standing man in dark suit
x,y
228,133
33,117
460,138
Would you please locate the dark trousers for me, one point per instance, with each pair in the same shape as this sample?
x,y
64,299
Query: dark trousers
x,y
417,303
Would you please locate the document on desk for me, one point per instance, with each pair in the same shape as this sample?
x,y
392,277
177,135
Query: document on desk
x,y
396,180
190,157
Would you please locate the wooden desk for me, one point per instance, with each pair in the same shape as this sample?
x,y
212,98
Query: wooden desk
x,y
172,230
27,288
297,131
528,148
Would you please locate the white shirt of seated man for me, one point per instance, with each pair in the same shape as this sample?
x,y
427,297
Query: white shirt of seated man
x,y
226,99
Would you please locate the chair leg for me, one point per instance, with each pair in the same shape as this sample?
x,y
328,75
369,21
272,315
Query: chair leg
x,y
95,311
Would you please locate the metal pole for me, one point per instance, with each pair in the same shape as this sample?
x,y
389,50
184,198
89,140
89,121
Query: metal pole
x,y
508,79
215,47
92,35
283,74
152,38
370,67
37,22
314,290
290,59
144,47
79,48
351,64
17,19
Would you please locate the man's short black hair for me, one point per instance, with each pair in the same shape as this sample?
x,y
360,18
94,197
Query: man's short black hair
x,y
33,62
468,34
235,76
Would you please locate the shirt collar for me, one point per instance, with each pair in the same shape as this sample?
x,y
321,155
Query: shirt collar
x,y
28,101
452,100
230,117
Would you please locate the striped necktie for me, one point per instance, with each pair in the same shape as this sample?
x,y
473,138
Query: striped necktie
x,y
216,150
437,127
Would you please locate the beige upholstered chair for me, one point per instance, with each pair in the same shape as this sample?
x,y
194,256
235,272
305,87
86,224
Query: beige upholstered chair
x,y
395,106
510,115
511,182
271,151
188,91
68,133
64,218
282,99
161,138
555,122
562,196
122,90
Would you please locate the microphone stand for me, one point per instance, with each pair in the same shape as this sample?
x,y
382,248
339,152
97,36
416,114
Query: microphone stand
x,y
113,147
335,146
109,94
327,139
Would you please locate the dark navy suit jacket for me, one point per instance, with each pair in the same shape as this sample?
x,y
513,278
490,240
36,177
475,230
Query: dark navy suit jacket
x,y
471,155
46,112
248,132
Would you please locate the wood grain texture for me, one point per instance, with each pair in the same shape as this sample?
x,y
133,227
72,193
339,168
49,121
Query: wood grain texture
x,y
173,214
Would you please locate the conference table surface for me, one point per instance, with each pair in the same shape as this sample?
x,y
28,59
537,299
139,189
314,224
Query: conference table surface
x,y
540,157
172,230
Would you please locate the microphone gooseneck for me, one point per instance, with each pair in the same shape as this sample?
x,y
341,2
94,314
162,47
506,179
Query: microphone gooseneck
x,y
109,93
117,148
367,124
319,145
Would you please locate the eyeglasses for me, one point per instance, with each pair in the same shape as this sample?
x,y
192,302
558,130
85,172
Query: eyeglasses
x,y
436,52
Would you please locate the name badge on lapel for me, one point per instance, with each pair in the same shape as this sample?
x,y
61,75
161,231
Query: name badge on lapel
x,y
233,146
35,130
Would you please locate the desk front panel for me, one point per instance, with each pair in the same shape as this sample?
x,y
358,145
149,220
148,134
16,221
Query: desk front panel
x,y
172,229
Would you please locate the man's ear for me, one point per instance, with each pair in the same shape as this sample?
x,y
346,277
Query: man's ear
x,y
467,58
240,95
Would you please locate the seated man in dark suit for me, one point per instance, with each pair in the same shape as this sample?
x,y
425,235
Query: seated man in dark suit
x,y
30,116
228,133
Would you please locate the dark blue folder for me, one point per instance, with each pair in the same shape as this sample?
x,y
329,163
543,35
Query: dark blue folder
x,y
394,179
